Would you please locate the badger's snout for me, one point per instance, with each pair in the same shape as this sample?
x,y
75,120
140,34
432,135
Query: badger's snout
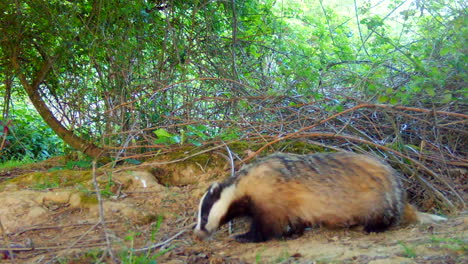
x,y
201,234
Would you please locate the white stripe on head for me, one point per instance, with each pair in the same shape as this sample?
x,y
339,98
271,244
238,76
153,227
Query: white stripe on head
x,y
220,207
198,227
210,191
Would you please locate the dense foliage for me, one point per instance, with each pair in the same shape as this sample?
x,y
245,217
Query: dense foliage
x,y
27,137
122,69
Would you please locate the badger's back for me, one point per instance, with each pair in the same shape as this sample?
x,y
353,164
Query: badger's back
x,y
334,189
285,193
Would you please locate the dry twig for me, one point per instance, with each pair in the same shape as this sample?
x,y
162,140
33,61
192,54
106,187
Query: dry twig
x,y
7,241
102,220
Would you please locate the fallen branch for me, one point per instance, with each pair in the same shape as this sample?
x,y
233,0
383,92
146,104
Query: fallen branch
x,y
291,135
160,244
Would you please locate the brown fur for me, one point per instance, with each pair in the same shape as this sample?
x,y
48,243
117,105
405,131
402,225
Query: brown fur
x,y
410,215
334,190
285,193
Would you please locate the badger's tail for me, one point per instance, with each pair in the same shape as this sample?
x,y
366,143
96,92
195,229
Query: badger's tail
x,y
411,215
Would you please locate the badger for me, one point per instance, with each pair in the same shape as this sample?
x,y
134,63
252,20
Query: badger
x,y
284,194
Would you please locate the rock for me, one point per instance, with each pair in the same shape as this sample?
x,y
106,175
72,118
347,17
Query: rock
x,y
22,208
19,209
28,207
75,200
135,180
53,196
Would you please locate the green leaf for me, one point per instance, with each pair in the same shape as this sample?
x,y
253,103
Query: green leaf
x,y
175,139
383,99
447,98
444,51
430,91
163,140
133,161
394,100
195,142
162,133
183,136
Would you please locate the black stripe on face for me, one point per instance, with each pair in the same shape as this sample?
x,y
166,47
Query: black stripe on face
x,y
212,195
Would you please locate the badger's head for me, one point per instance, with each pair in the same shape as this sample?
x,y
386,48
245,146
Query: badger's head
x,y
213,208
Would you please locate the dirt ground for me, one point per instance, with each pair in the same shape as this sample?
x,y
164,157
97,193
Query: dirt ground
x,y
58,225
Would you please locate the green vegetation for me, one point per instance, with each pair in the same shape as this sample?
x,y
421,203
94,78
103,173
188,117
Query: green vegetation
x,y
455,244
95,255
12,163
26,137
258,256
283,256
52,179
129,256
193,71
408,251
106,189
46,184
74,165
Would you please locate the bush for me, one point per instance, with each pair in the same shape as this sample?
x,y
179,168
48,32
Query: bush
x,y
27,136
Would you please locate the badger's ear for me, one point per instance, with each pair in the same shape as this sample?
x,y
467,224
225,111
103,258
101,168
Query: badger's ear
x,y
215,191
215,188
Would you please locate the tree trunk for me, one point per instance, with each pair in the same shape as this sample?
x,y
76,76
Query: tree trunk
x,y
33,92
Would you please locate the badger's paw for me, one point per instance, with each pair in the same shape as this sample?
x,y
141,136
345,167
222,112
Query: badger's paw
x,y
250,237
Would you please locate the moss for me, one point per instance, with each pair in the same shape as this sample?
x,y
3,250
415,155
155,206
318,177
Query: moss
x,y
45,164
300,147
241,146
59,178
291,146
202,159
88,199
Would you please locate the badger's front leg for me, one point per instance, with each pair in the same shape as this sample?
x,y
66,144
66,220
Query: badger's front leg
x,y
261,229
254,235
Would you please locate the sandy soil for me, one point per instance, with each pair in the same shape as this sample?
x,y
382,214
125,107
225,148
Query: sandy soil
x,y
70,231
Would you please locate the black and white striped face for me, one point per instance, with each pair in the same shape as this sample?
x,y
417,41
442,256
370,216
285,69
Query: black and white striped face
x,y
212,209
